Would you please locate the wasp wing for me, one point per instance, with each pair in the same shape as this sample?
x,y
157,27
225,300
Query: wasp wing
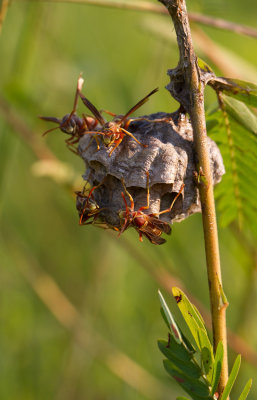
x,y
93,109
156,223
154,239
153,230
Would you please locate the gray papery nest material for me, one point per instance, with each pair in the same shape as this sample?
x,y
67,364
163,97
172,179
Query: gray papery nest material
x,y
169,157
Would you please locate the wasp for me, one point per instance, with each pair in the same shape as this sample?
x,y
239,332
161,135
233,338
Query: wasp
x,y
72,124
113,132
148,225
87,206
89,210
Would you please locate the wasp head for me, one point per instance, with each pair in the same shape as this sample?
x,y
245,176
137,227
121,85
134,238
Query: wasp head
x,y
69,124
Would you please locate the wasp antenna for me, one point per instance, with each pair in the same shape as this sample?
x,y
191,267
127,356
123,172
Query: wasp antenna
x,y
153,91
80,82
50,130
139,104
50,119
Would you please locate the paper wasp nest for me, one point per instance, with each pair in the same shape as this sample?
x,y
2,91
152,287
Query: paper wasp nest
x,y
169,157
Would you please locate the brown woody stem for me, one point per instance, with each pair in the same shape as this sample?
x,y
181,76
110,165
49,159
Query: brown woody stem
x,y
187,86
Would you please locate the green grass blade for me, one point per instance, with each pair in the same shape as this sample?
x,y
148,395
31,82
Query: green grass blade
x,y
231,379
246,390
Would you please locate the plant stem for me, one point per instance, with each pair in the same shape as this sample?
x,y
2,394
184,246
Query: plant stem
x,y
147,6
187,86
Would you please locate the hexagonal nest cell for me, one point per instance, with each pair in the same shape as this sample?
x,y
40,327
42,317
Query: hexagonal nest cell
x,y
169,158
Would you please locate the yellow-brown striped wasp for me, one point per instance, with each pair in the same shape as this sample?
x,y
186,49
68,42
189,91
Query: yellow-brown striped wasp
x,y
72,124
87,206
113,132
148,225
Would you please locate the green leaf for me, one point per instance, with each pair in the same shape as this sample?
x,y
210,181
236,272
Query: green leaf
x,y
211,123
204,66
241,113
182,398
236,194
194,322
172,349
198,315
172,324
194,387
165,318
188,344
246,390
231,379
196,325
241,90
206,358
217,367
186,365
187,309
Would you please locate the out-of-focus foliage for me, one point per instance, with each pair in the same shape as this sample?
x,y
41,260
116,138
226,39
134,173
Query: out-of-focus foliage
x,y
193,366
234,128
79,315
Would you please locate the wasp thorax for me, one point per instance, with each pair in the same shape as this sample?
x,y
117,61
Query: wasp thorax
x,y
140,220
169,159
113,126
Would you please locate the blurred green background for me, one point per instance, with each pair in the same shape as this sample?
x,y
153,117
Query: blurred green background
x,y
79,311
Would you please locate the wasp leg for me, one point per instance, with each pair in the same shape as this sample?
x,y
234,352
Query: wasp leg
x,y
130,134
129,196
108,112
116,145
147,195
70,142
172,204
140,236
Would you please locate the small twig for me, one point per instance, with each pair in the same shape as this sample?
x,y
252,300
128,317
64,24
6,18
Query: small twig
x,y
146,6
227,61
187,86
223,24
